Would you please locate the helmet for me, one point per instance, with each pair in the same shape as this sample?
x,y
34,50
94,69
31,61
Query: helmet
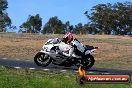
x,y
68,37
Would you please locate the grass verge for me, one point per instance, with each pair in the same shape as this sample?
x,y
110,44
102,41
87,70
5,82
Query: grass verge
x,y
24,78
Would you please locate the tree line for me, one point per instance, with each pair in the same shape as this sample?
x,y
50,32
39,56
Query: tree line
x,y
104,19
4,18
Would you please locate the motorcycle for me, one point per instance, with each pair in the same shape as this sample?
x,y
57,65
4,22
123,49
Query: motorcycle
x,y
52,52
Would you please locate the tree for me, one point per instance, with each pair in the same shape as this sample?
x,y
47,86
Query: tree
x,y
32,25
54,26
68,27
89,29
79,29
71,28
108,17
100,17
4,18
123,18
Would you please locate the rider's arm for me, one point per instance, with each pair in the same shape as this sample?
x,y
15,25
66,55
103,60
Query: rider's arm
x,y
70,52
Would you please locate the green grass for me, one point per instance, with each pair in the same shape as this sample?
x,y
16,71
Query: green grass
x,y
13,78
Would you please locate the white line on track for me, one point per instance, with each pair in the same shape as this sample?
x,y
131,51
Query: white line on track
x,y
63,70
46,69
32,68
76,71
90,72
17,67
27,60
4,58
60,70
17,59
106,73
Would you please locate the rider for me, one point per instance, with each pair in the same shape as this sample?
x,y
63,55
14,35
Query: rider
x,y
67,39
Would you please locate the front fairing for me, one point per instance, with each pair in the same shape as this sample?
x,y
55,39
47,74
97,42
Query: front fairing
x,y
47,48
49,44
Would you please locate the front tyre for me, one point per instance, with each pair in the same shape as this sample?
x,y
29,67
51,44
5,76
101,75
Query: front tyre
x,y
88,62
42,59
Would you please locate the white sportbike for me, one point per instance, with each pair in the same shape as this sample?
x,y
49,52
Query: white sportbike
x,y
52,52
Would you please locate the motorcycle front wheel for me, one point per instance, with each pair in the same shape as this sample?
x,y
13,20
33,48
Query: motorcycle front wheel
x,y
42,59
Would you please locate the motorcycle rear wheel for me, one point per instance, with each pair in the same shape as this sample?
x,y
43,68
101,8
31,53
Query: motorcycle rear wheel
x,y
88,62
42,59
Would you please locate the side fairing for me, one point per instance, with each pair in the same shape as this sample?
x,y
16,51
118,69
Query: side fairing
x,y
64,47
47,48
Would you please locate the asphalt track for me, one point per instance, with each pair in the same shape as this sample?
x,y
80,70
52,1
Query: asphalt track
x,y
31,65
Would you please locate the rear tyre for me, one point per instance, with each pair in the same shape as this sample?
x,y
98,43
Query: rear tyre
x,y
42,59
88,62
